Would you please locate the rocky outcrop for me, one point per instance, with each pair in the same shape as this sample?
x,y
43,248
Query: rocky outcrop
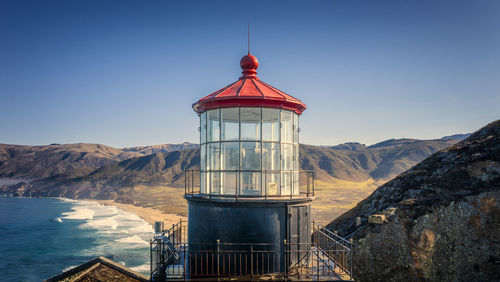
x,y
446,225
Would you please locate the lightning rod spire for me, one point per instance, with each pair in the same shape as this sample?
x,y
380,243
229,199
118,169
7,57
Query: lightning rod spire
x,y
248,38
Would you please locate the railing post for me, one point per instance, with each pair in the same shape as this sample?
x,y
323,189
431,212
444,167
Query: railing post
x,y
150,259
218,258
192,181
285,257
251,260
350,257
317,263
312,173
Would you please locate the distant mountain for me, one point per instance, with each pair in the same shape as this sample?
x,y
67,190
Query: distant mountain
x,y
349,146
163,148
380,163
444,218
114,181
458,137
35,162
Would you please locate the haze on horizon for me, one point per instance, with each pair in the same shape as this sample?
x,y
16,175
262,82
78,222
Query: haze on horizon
x,y
125,73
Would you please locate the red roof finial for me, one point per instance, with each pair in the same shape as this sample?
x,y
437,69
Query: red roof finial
x,y
249,65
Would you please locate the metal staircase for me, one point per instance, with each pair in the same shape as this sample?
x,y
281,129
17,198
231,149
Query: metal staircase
x,y
327,257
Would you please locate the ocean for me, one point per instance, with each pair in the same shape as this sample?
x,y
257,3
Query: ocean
x,y
41,237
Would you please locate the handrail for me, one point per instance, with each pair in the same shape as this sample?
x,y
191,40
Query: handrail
x,y
332,234
193,185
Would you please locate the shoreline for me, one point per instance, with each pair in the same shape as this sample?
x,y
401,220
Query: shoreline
x,y
150,215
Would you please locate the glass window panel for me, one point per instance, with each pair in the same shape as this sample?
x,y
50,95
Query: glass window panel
x,y
229,183
286,126
230,124
203,157
270,124
295,183
215,182
203,183
286,156
250,123
270,156
271,183
230,155
295,128
213,125
296,159
203,128
250,155
286,183
213,156
250,183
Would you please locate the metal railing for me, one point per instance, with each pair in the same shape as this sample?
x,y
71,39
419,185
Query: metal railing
x,y
302,187
327,257
335,247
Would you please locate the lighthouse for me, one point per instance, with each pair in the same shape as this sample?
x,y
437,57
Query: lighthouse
x,y
249,203
249,191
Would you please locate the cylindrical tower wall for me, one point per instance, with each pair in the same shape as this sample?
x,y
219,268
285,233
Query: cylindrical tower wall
x,y
245,236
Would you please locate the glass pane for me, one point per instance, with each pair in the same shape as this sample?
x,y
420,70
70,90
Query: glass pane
x,y
230,124
271,183
270,124
203,128
250,155
295,128
295,186
203,157
296,159
213,125
286,156
286,183
270,156
250,123
213,156
229,183
230,156
250,183
286,126
203,183
215,182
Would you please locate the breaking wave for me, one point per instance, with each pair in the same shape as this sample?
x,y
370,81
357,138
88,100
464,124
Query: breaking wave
x,y
114,233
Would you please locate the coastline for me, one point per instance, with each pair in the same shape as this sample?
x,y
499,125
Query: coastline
x,y
148,214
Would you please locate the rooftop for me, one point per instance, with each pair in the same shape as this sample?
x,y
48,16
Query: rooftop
x,y
249,91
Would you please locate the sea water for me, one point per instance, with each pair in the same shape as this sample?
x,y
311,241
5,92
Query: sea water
x,y
41,237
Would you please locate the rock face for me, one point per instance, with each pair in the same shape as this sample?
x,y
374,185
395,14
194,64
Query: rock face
x,y
446,226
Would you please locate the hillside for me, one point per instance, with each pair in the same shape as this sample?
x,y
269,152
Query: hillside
x,y
163,148
356,162
446,225
35,162
114,181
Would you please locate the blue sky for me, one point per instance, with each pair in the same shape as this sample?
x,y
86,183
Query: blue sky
x,y
125,73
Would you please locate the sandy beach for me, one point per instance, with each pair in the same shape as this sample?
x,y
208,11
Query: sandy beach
x,y
148,214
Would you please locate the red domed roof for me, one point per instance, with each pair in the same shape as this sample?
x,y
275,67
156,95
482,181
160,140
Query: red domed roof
x,y
249,91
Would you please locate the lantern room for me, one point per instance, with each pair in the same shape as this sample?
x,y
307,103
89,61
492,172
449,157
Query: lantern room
x,y
249,138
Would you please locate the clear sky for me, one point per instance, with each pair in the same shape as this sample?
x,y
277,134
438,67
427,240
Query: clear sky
x,y
125,73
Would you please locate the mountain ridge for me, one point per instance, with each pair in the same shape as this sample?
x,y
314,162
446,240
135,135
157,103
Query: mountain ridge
x,y
166,168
